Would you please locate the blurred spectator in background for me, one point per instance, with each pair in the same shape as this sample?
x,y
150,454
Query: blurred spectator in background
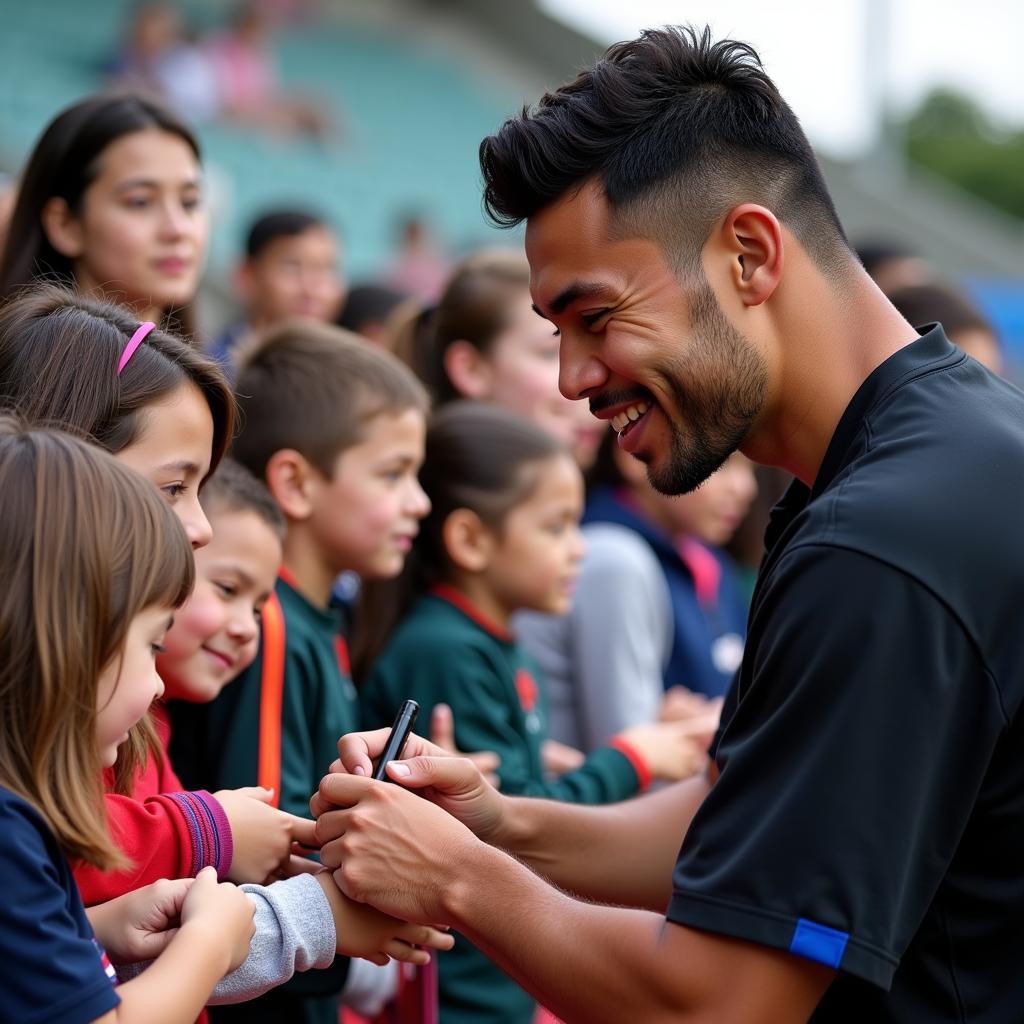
x,y
892,265
160,57
292,269
369,309
964,323
249,82
484,341
8,194
420,266
111,204
658,620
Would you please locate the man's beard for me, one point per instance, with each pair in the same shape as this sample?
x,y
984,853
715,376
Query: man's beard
x,y
718,391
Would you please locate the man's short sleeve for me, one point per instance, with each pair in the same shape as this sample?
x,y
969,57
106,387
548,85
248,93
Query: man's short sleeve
x,y
862,731
50,966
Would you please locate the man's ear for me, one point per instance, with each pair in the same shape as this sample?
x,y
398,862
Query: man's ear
x,y
468,369
62,228
752,237
291,479
468,542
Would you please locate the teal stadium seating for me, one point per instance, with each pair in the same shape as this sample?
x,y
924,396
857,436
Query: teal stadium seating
x,y
413,122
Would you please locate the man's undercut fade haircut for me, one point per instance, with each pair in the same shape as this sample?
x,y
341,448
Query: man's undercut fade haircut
x,y
677,130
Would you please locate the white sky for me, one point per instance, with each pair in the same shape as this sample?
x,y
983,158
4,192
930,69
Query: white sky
x,y
828,56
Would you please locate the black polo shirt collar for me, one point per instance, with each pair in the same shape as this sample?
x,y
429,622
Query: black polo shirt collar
x,y
932,350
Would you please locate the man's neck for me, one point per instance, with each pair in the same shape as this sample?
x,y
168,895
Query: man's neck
x,y
823,362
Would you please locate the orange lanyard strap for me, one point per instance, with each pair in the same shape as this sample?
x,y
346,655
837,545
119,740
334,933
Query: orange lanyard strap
x,y
271,697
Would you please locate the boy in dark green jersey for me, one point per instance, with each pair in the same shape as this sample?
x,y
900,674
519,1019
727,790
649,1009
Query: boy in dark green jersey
x,y
336,429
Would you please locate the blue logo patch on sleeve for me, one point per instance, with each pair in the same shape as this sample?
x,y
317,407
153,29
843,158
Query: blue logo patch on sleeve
x,y
816,942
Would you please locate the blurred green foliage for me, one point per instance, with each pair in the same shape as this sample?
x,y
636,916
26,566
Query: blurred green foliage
x,y
953,137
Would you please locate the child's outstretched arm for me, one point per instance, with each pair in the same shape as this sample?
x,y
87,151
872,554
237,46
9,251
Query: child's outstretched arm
x,y
173,835
302,922
212,938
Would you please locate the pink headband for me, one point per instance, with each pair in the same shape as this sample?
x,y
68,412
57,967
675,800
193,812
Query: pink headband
x,y
136,340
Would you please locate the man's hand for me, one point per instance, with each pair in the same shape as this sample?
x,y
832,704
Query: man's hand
x,y
391,849
453,783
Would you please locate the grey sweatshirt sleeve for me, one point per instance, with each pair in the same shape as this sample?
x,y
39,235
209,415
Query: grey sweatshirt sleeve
x,y
620,634
603,662
294,932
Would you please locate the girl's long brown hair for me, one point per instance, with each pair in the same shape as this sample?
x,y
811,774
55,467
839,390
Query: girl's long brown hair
x,y
86,545
58,368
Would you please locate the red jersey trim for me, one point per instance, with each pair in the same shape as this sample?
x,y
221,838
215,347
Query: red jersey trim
x,y
460,601
643,773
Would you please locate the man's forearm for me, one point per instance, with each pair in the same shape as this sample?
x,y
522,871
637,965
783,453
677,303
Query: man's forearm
x,y
583,962
593,964
619,853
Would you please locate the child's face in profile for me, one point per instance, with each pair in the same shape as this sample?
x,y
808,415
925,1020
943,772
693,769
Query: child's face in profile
x,y
173,453
365,517
129,684
537,552
215,633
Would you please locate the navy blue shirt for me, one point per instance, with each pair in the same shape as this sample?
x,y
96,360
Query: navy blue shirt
x,y
869,813
51,967
707,637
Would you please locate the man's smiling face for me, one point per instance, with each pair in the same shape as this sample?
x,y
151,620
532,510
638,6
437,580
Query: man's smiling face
x,y
654,355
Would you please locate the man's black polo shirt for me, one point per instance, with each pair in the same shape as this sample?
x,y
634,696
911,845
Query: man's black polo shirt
x,y
870,808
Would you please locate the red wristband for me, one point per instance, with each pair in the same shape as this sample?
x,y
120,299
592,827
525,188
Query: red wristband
x,y
643,773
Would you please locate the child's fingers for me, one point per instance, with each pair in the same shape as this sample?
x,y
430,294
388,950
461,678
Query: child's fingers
x,y
303,831
424,935
298,865
486,760
398,950
256,793
442,727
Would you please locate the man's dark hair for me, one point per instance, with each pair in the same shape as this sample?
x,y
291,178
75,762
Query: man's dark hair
x,y
279,224
678,130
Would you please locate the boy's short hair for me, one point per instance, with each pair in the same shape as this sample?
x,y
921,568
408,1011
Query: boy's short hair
x,y
280,224
234,489
312,387
921,304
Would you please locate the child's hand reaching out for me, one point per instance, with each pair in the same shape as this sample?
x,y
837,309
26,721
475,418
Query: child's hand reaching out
x,y
140,924
262,835
365,932
223,911
442,734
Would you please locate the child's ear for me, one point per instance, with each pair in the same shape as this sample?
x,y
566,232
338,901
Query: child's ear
x,y
62,228
469,370
290,478
468,542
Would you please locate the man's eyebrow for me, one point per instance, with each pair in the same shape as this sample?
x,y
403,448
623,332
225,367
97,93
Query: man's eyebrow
x,y
573,293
